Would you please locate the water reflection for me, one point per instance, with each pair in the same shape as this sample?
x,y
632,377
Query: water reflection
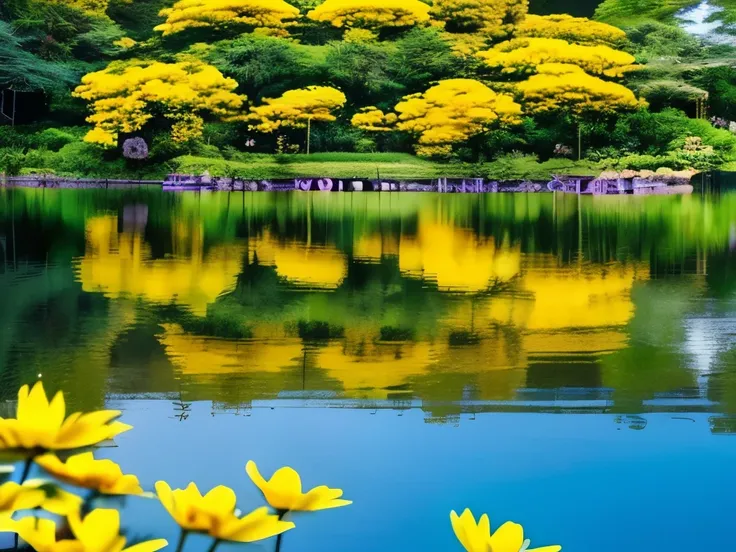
x,y
455,304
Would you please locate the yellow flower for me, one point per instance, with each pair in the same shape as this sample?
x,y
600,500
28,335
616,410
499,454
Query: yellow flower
x,y
82,470
56,500
98,532
36,494
476,537
284,491
510,538
40,425
15,497
215,514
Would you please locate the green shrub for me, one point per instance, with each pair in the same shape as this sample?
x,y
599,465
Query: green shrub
x,y
86,160
202,149
38,158
54,139
220,134
164,148
11,161
25,171
365,145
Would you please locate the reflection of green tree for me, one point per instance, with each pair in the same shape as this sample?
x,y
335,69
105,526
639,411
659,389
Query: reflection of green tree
x,y
653,362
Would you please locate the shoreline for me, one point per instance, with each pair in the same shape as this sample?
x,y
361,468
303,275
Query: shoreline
x,y
626,183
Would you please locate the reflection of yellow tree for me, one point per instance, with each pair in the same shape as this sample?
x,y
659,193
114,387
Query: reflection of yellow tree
x,y
121,264
209,356
311,266
456,259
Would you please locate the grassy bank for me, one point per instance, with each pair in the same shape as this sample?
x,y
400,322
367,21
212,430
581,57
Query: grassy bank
x,y
378,165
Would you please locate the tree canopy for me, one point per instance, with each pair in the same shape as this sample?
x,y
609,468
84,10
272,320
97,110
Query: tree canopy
x,y
195,14
126,95
371,14
295,108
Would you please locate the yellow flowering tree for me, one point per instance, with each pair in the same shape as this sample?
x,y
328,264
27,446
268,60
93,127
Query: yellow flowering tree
x,y
569,63
371,14
579,30
451,112
496,18
297,108
194,14
524,55
564,87
126,95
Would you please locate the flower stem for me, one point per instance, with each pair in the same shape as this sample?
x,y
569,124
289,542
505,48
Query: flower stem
x,y
26,469
182,537
214,545
281,513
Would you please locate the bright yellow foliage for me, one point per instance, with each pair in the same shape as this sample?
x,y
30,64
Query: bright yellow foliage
x,y
450,112
559,86
125,95
579,30
496,18
125,43
371,14
191,14
284,491
91,7
523,55
374,120
466,44
296,107
359,36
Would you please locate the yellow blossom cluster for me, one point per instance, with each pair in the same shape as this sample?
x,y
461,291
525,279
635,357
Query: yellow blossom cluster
x,y
524,55
466,45
125,43
296,107
579,30
124,95
452,111
558,86
496,18
374,120
92,7
371,14
359,36
191,14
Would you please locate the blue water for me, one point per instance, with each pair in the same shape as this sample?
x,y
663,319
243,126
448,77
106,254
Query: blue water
x,y
580,480
565,363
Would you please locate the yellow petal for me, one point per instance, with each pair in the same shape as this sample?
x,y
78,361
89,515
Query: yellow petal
x,y
507,538
99,531
38,532
148,546
257,525
321,498
221,499
165,496
459,528
554,548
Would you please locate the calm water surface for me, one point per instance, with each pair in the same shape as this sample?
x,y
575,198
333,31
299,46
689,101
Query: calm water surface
x,y
566,363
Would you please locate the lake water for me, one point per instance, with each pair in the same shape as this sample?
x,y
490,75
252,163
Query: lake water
x,y
567,363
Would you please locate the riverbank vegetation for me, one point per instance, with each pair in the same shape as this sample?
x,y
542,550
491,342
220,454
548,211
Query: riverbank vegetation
x,y
367,88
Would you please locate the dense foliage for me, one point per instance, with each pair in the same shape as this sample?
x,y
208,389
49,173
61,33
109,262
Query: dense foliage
x,y
457,80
